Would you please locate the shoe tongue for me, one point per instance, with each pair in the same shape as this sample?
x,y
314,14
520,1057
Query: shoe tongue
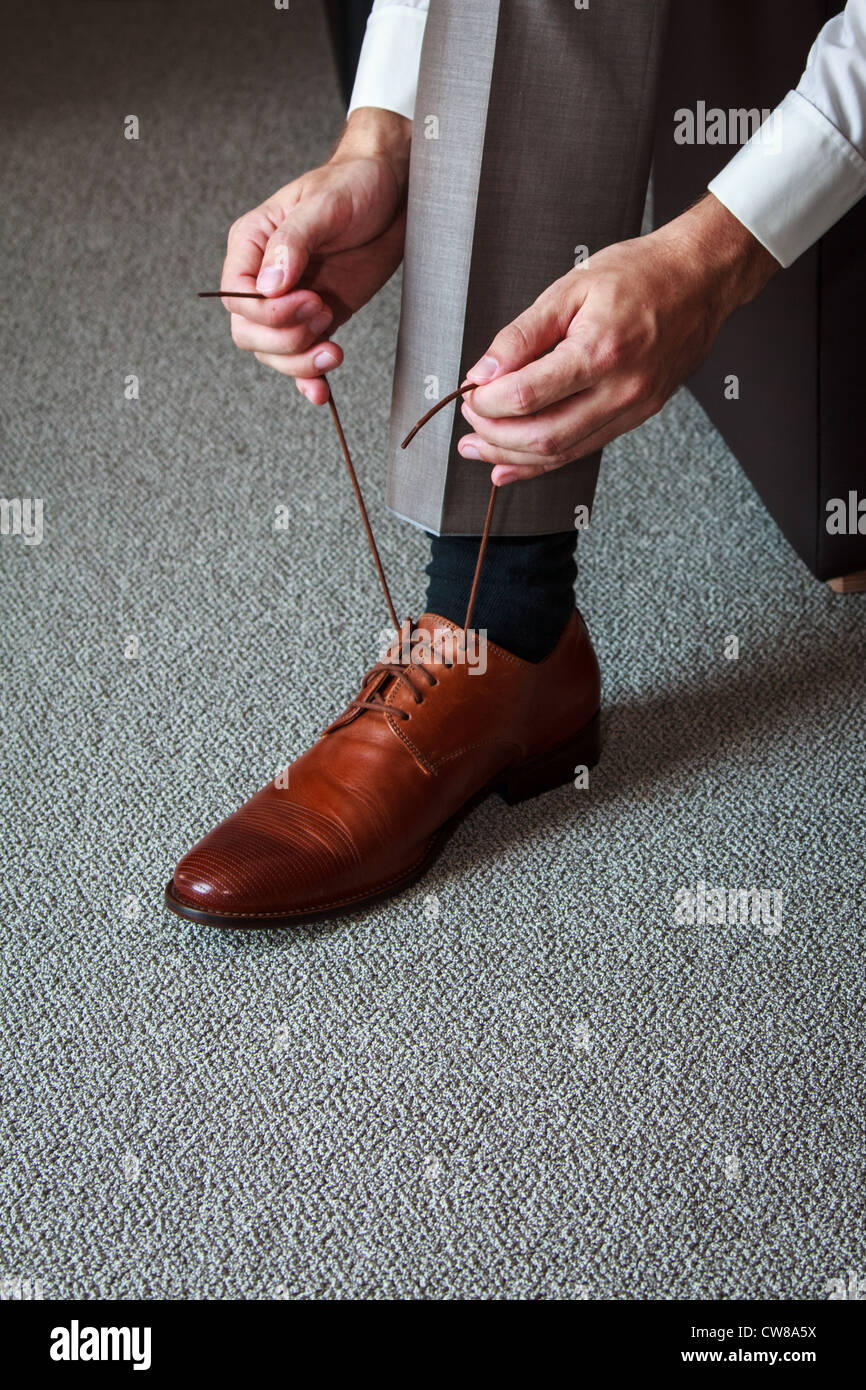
x,y
425,637
423,628
429,622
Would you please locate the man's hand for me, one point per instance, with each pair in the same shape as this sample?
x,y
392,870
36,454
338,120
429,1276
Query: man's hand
x,y
319,249
605,346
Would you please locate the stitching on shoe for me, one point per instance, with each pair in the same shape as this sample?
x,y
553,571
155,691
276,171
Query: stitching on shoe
x,y
481,743
423,763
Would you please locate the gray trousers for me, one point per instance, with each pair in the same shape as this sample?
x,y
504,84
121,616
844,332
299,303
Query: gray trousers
x,y
532,139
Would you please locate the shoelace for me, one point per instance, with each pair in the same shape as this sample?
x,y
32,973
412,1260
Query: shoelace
x,y
371,696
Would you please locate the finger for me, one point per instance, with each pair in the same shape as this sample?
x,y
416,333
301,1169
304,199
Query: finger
x,y
551,430
560,433
254,337
620,424
321,358
532,333
569,368
247,242
247,239
557,431
471,447
511,466
503,474
314,388
300,306
290,245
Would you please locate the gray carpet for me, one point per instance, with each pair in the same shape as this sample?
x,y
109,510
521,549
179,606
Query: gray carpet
x,y
522,1079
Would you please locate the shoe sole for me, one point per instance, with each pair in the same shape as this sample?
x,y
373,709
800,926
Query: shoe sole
x,y
537,775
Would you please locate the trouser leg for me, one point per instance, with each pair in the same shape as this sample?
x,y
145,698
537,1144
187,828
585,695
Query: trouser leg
x,y
533,133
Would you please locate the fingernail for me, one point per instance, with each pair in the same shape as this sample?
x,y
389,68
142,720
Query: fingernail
x,y
484,370
506,475
324,359
469,451
320,322
270,278
308,311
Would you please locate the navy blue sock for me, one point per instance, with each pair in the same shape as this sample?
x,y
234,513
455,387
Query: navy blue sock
x,y
526,593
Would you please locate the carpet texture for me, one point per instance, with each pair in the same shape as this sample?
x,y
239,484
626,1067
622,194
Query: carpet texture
x,y
525,1078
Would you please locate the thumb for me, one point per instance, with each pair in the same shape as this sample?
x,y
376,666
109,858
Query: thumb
x,y
529,336
289,248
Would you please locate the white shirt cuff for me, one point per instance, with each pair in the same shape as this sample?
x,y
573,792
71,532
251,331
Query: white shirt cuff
x,y
792,180
387,73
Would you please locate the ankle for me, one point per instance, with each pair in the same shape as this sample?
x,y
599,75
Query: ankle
x,y
526,592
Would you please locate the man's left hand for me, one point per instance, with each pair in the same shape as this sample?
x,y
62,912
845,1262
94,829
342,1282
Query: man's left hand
x,y
605,346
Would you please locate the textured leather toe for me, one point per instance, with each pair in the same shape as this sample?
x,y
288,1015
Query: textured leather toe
x,y
272,850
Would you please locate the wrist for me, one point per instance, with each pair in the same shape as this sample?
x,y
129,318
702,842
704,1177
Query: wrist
x,y
733,265
373,132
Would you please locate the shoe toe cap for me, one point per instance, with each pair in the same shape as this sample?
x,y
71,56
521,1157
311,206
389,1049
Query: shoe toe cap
x,y
269,859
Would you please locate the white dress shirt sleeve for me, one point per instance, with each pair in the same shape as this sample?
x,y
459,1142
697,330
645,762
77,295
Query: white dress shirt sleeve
x,y
806,166
387,73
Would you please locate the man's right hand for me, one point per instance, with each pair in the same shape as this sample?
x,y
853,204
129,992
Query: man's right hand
x,y
320,248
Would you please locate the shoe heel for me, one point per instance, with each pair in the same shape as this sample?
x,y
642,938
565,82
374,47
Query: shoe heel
x,y
553,768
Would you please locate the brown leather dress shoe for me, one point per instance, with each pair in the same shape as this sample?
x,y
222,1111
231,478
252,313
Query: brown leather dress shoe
x,y
365,811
